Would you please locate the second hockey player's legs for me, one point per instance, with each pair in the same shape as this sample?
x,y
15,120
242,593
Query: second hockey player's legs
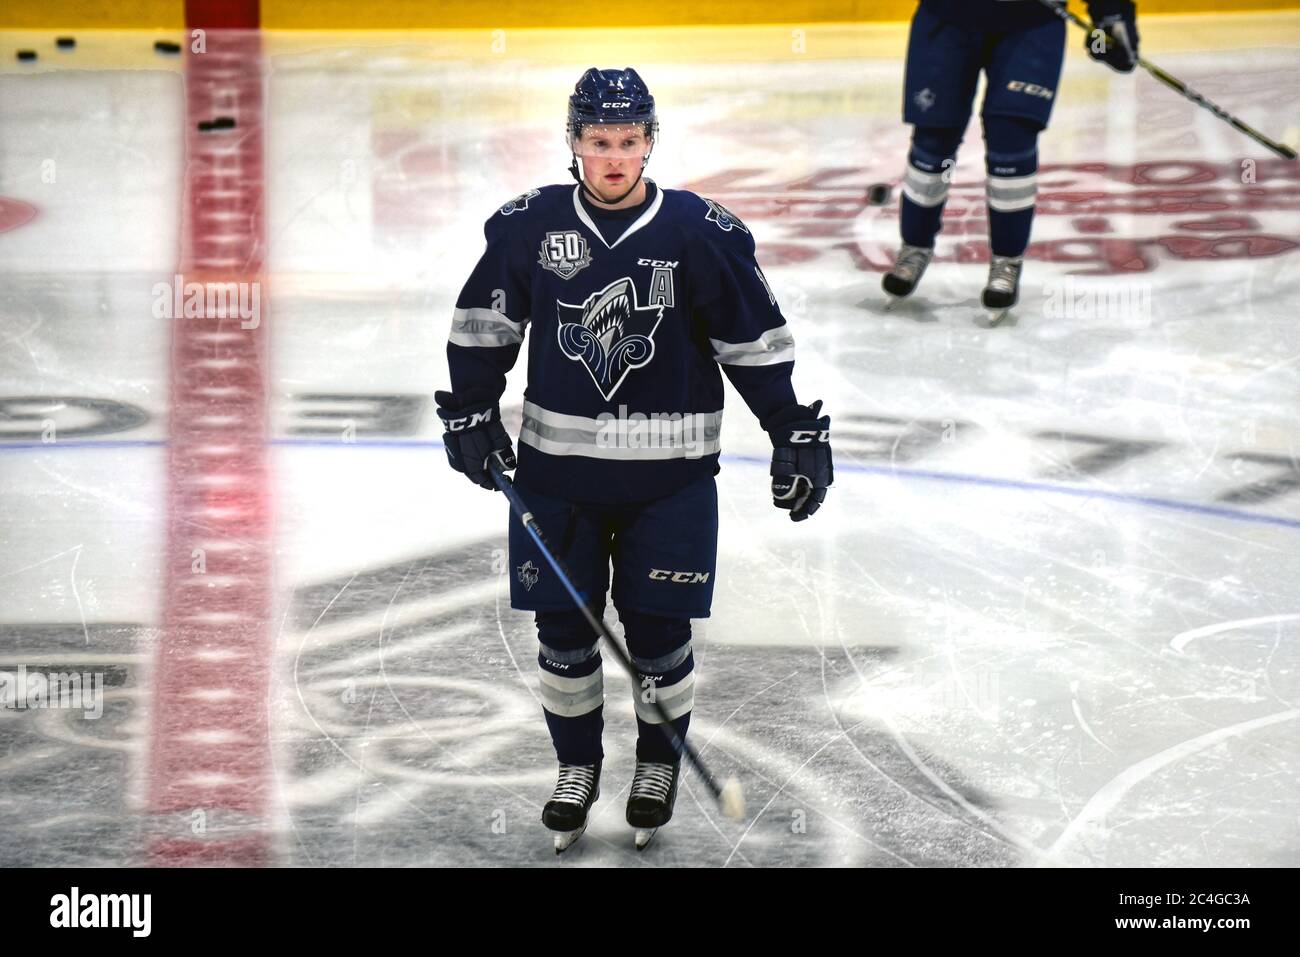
x,y
1011,152
926,183
925,191
943,64
1024,70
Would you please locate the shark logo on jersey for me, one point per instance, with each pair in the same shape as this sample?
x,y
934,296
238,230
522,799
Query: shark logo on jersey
x,y
725,218
528,575
925,99
610,334
519,202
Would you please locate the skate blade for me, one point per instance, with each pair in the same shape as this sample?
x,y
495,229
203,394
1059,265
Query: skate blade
x,y
644,836
996,316
566,839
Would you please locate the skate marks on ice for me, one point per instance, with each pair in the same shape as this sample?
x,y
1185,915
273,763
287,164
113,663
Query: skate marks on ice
x,y
411,734
1078,693
414,736
1009,679
68,762
881,304
921,310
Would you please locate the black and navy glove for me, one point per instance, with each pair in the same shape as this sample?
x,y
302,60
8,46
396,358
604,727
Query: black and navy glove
x,y
474,435
801,458
1114,40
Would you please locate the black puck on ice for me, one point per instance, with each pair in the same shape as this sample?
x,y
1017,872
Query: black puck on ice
x,y
65,43
878,194
166,46
27,54
219,123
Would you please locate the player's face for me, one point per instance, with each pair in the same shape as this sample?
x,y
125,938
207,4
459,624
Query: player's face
x,y
611,157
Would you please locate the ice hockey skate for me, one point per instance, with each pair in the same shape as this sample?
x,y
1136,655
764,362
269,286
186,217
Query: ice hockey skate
x,y
1003,289
901,281
566,812
650,804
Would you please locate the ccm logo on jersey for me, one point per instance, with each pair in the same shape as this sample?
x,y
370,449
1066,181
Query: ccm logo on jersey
x,y
805,436
657,263
1032,89
469,421
683,578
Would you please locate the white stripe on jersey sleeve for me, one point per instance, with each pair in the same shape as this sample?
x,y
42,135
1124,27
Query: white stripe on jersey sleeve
x,y
484,327
771,348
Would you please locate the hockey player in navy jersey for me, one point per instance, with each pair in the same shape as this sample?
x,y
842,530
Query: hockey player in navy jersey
x,y
1020,45
634,300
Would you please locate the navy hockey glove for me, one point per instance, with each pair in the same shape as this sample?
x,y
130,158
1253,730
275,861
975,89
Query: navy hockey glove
x,y
801,458
1114,41
474,434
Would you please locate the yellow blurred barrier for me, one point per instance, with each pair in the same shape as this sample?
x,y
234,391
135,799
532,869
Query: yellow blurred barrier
x,y
507,14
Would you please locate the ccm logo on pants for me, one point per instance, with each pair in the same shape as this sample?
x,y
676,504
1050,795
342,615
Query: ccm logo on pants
x,y
686,578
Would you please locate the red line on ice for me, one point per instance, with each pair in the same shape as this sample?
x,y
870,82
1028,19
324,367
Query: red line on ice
x,y
209,746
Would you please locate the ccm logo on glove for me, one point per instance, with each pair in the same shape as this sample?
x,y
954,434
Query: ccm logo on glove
x,y
469,421
804,436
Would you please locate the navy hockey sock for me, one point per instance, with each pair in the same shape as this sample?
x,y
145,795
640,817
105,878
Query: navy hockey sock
x,y
926,182
1011,152
573,690
661,653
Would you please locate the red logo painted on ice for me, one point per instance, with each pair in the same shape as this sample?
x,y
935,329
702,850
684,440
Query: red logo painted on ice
x,y
1100,218
15,213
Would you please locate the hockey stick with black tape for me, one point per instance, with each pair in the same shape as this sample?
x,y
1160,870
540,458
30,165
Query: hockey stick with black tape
x,y
1178,86
730,797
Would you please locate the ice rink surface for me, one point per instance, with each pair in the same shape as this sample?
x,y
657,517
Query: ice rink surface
x,y
1049,615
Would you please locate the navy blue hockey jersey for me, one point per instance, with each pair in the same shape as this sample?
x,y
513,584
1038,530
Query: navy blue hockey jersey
x,y
624,396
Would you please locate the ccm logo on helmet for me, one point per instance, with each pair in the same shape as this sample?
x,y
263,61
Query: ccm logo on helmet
x,y
469,421
617,105
804,436
685,578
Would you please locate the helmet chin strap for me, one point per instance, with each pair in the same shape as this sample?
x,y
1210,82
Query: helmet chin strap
x,y
573,169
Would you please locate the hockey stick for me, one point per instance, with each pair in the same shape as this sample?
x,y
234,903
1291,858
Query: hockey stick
x,y
730,797
1178,86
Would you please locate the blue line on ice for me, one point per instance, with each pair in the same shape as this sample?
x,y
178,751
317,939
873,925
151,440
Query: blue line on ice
x,y
1125,498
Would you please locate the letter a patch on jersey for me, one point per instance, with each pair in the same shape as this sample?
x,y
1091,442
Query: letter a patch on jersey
x,y
610,334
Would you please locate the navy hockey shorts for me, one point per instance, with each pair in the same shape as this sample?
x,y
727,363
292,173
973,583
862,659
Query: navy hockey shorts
x,y
664,553
944,62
